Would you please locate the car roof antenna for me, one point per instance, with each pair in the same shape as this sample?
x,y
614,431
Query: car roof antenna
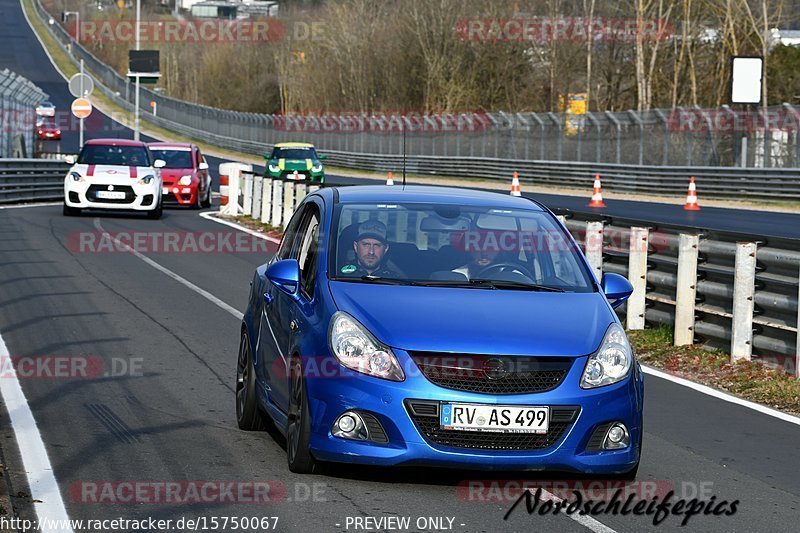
x,y
404,153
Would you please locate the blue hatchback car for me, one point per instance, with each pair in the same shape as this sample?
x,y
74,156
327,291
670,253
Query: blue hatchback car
x,y
438,326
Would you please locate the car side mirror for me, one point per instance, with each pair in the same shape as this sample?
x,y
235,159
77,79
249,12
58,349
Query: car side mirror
x,y
202,166
322,156
159,163
616,288
285,275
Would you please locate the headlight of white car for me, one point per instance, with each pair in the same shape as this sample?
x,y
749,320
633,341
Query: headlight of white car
x,y
185,180
358,350
76,176
146,180
612,362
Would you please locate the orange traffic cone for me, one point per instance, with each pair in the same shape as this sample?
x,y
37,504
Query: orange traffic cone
x,y
389,179
515,190
597,194
691,197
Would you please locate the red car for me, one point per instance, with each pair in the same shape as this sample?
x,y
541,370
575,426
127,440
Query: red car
x,y
186,178
47,130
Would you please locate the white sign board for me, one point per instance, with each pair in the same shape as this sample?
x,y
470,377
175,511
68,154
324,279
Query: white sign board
x,y
746,83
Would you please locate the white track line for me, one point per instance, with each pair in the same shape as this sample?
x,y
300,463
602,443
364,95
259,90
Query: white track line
x,y
763,409
21,206
41,478
210,215
183,281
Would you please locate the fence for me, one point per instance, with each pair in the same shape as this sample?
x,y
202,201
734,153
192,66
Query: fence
x,y
682,137
18,100
724,290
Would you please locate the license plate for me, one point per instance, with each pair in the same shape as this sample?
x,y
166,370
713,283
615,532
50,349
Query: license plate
x,y
111,195
296,176
494,418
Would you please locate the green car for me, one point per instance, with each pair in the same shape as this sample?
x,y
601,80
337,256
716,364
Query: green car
x,y
295,161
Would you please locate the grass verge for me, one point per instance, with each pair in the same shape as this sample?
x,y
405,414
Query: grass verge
x,y
750,380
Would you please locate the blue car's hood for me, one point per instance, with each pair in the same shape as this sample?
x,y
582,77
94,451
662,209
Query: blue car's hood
x,y
479,321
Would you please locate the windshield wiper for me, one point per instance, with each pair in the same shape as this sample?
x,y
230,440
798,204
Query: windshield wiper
x,y
517,285
490,284
379,280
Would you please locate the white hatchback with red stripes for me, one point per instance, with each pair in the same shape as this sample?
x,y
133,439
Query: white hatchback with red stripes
x,y
114,174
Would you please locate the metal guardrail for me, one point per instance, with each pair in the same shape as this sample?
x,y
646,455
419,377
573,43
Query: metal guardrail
x,y
31,180
775,317
683,136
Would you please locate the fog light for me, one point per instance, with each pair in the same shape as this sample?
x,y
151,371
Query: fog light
x,y
617,437
347,423
350,426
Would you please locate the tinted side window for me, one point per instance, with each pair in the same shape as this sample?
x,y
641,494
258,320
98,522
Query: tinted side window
x,y
308,252
285,249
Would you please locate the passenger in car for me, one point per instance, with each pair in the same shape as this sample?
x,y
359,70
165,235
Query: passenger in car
x,y
479,261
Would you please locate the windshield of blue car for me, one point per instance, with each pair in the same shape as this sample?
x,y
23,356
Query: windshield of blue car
x,y
293,153
127,156
174,158
455,246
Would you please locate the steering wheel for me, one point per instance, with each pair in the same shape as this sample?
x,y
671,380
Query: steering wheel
x,y
500,267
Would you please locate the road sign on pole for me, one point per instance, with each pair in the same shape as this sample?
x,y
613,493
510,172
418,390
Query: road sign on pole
x,y
81,107
81,85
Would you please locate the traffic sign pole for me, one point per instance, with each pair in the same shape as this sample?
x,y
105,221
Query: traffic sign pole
x,y
136,104
80,142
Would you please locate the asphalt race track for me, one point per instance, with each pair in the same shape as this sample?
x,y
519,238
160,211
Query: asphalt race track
x,y
160,330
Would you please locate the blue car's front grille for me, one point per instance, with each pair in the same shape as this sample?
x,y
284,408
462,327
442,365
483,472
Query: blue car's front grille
x,y
490,374
425,414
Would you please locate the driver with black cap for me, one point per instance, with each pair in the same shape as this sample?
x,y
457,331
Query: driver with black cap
x,y
370,246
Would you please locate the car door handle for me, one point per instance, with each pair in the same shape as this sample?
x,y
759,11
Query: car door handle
x,y
268,298
293,325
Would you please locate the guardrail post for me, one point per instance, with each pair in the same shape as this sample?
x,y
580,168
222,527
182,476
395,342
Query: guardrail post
x,y
686,290
277,202
266,200
258,183
593,246
299,194
288,202
247,182
796,369
743,294
637,274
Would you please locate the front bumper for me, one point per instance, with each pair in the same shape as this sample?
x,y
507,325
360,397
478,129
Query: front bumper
x,y
138,197
388,403
176,194
298,175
